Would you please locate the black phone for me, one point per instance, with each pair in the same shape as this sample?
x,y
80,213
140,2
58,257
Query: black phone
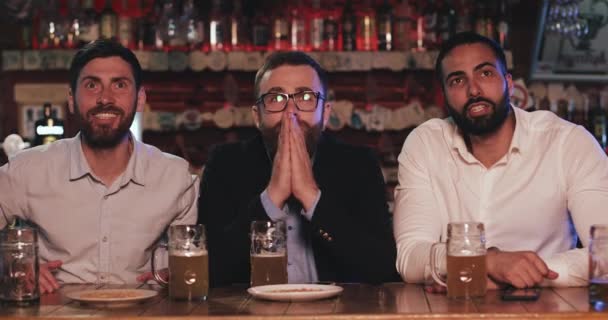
x,y
514,294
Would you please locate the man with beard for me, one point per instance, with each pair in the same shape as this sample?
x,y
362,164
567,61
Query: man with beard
x,y
535,181
330,195
100,200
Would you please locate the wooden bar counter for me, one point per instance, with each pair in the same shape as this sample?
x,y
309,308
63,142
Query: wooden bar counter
x,y
357,301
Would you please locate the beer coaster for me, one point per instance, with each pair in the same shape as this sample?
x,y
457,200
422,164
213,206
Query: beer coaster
x,y
112,297
295,292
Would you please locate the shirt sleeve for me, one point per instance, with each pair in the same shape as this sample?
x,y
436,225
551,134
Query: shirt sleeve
x,y
11,195
585,176
272,211
416,216
189,201
309,214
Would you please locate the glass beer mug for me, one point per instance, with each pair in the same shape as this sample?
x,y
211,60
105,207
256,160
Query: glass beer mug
x,y
466,261
268,253
598,267
188,263
19,266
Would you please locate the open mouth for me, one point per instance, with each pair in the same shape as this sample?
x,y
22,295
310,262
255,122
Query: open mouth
x,y
479,110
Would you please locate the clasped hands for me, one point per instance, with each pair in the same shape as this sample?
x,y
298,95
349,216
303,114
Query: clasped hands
x,y
292,168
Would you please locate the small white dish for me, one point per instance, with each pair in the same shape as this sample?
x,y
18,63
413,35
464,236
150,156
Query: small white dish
x,y
112,297
295,292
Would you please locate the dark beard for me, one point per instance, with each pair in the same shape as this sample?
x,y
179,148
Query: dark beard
x,y
104,137
312,134
484,125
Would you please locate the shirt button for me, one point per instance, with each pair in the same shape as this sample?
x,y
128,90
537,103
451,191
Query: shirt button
x,y
105,197
104,239
289,228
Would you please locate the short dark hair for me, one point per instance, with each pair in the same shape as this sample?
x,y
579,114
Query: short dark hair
x,y
291,58
463,38
103,48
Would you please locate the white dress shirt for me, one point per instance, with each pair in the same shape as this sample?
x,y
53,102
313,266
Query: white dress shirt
x,y
103,234
550,186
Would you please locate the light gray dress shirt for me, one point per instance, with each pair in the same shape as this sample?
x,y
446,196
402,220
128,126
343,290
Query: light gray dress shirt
x,y
103,234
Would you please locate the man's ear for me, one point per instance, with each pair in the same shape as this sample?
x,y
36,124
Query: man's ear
x,y
141,99
509,79
255,113
326,113
70,101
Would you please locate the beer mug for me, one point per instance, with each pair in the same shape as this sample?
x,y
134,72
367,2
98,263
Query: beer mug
x,y
19,266
188,263
466,261
268,253
598,267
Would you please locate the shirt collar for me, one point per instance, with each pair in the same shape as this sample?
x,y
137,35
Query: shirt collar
x,y
459,145
79,167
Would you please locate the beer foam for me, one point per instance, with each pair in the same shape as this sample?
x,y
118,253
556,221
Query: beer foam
x,y
268,254
189,253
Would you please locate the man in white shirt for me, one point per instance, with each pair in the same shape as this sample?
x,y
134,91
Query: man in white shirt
x,y
101,200
537,182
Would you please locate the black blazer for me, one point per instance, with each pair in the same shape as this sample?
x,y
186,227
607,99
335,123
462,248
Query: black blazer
x,y
351,230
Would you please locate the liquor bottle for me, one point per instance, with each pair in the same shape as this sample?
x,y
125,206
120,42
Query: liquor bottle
x,y
502,25
89,28
463,17
317,25
240,39
125,32
280,28
349,27
109,21
192,25
367,38
260,36
297,28
146,25
218,30
404,25
330,30
446,20
74,24
49,128
384,16
51,27
598,121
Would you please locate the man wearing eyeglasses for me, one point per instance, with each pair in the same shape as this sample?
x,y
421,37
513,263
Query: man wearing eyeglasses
x,y
330,195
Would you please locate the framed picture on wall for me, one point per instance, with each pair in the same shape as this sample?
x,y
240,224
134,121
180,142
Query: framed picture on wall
x,y
572,47
30,113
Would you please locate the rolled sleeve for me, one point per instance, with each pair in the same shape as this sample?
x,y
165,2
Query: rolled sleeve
x,y
308,214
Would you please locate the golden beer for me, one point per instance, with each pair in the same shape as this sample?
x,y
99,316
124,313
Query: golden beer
x,y
189,275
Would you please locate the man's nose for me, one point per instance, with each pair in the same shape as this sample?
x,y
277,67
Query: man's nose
x,y
105,97
474,89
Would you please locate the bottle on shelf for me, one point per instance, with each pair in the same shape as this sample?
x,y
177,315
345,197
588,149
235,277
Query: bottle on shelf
x,y
218,28
240,37
192,25
349,27
280,28
126,25
367,38
502,24
297,27
429,25
446,20
404,25
73,22
384,16
331,30
464,9
260,30
51,32
109,21
89,26
317,26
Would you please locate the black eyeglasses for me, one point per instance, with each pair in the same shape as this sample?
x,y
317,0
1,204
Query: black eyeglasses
x,y
274,102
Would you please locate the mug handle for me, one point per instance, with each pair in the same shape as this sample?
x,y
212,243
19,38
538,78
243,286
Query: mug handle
x,y
434,268
155,273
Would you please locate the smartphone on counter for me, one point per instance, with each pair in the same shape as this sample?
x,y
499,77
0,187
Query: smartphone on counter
x,y
514,294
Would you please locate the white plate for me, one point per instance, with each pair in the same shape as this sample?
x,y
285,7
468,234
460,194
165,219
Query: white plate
x,y
112,297
295,292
